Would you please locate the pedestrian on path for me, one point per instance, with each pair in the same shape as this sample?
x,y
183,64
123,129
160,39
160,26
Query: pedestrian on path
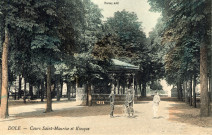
x,y
112,98
156,101
129,103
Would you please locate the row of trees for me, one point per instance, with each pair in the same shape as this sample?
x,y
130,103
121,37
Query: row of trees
x,y
185,32
65,41
38,35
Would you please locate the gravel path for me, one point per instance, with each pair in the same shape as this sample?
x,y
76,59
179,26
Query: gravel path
x,y
69,118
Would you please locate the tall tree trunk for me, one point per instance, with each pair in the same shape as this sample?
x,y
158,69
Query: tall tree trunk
x,y
55,89
89,96
194,91
7,105
210,85
15,91
0,81
61,88
58,92
4,87
178,90
39,91
136,88
45,84
139,85
181,90
210,77
124,87
204,98
144,89
190,90
68,90
25,90
186,92
19,86
118,86
42,90
49,99
31,91
145,92
72,90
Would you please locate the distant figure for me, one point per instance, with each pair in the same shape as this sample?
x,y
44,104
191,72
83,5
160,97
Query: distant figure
x,y
112,98
129,103
156,101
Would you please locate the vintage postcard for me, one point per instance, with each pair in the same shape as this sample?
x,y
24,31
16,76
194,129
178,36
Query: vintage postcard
x,y
112,67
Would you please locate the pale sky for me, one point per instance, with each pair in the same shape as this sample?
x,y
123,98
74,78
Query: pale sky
x,y
140,7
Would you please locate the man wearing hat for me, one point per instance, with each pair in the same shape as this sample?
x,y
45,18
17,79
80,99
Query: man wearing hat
x,y
129,103
112,98
156,101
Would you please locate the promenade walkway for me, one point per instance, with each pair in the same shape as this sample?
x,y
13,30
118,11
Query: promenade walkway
x,y
69,118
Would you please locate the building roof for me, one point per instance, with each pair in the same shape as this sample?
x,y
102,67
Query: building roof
x,y
118,65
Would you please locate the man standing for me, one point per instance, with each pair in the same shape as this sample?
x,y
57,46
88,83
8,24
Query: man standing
x,y
129,103
156,101
112,98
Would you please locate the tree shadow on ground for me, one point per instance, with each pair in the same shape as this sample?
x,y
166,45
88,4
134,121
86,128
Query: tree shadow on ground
x,y
15,103
134,116
141,102
182,112
66,112
160,117
138,111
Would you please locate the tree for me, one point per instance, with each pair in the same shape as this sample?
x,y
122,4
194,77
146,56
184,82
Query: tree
x,y
47,28
60,34
4,88
185,21
125,40
128,35
12,18
88,68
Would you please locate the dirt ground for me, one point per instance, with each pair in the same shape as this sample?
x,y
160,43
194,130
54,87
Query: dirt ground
x,y
184,113
175,118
